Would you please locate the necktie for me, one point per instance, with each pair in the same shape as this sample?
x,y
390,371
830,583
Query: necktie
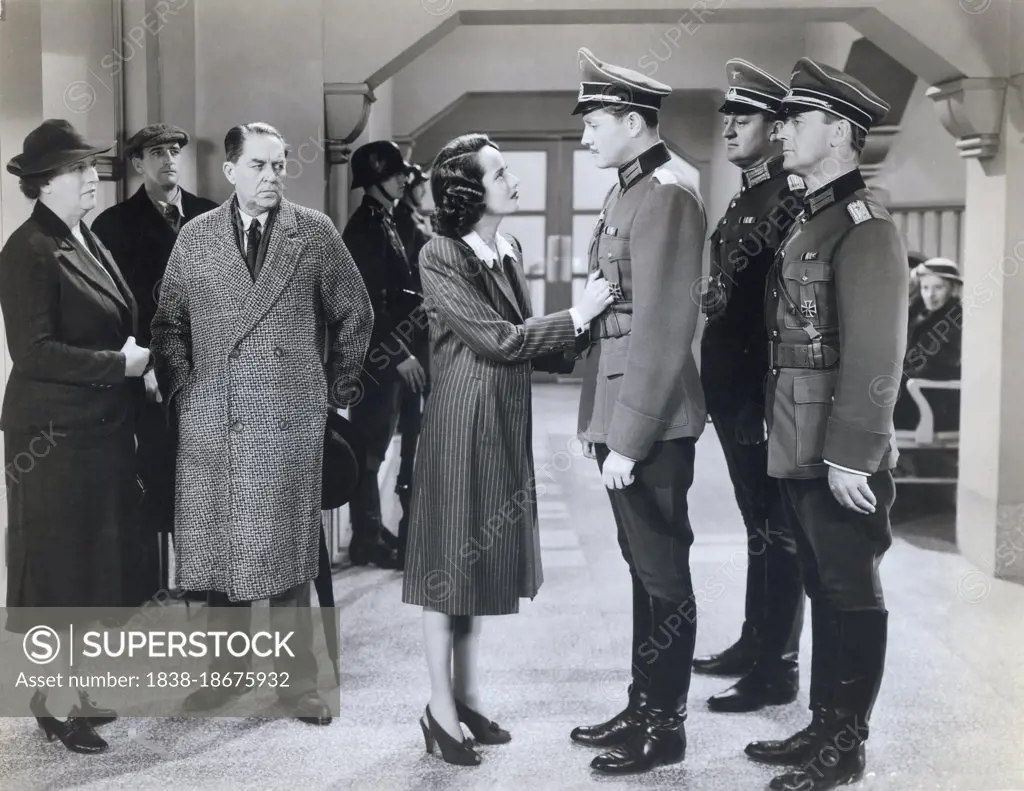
x,y
172,215
252,247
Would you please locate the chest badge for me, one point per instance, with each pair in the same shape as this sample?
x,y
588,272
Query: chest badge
x,y
611,230
809,309
810,256
748,220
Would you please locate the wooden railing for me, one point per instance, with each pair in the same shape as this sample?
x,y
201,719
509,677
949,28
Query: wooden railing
x,y
932,229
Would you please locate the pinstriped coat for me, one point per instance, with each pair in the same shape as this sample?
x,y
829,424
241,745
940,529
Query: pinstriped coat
x,y
473,545
244,363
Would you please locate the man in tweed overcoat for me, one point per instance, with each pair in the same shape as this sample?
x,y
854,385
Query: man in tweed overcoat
x,y
253,293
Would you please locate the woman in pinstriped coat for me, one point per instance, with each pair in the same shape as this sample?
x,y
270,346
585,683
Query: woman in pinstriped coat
x,y
473,546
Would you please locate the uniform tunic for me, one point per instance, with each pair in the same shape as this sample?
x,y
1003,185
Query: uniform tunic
x,y
640,380
844,268
734,360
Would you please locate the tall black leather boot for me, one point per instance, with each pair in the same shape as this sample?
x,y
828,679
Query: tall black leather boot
x,y
775,678
840,758
620,727
662,739
736,660
367,544
802,745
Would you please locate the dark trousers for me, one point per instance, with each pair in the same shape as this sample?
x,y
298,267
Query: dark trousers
x,y
774,607
653,527
375,417
302,668
156,459
840,550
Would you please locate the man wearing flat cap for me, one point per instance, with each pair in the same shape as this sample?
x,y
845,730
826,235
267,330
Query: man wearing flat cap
x,y
642,407
836,310
734,363
140,233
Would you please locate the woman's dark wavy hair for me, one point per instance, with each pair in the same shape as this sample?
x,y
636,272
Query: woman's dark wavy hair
x,y
456,184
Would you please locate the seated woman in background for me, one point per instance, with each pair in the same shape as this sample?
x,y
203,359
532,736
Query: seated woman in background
x,y
933,345
914,260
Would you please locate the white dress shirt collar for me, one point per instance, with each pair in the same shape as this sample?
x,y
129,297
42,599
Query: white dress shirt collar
x,y
247,220
485,253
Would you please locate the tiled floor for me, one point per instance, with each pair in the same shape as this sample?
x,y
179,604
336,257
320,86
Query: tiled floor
x,y
950,715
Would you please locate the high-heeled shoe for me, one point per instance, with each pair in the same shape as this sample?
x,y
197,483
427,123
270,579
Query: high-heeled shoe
x,y
484,730
453,751
76,732
94,713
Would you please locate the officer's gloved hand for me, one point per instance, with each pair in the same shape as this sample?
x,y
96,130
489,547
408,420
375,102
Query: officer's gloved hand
x,y
750,427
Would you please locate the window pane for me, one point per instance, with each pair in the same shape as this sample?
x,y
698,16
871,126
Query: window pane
x,y
531,233
590,183
582,231
538,288
531,168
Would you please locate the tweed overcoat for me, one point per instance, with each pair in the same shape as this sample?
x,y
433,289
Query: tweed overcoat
x,y
473,545
245,366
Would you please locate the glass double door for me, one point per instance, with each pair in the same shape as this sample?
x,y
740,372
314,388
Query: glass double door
x,y
561,192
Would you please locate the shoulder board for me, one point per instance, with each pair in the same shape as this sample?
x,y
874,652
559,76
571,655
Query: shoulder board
x,y
795,183
665,176
858,211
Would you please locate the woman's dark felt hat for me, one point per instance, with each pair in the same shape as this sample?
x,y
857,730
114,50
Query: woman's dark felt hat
x,y
52,144
344,460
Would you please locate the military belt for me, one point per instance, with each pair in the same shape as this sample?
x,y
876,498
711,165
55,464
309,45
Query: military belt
x,y
814,355
614,322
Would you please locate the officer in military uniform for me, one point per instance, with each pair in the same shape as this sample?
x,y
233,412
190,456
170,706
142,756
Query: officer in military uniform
x,y
381,171
836,309
734,362
414,231
642,407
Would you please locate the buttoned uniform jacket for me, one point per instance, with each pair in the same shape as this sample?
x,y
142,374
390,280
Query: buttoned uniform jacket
x,y
372,238
734,356
640,379
247,376
844,267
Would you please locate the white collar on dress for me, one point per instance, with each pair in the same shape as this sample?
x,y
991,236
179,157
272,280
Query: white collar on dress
x,y
485,253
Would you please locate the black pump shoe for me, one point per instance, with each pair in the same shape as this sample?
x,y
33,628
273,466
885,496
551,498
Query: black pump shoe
x,y
76,732
484,730
453,751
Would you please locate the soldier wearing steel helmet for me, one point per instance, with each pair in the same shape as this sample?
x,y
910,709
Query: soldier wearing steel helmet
x,y
380,170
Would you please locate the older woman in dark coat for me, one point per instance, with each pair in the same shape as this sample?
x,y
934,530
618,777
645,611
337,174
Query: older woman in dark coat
x,y
69,409
473,545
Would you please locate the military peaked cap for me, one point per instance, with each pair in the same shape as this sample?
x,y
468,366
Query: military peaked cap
x,y
817,86
751,89
603,86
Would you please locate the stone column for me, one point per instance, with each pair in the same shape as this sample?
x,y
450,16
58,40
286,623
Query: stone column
x,y
987,120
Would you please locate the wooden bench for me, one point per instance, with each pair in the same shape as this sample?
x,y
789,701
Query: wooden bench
x,y
925,440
